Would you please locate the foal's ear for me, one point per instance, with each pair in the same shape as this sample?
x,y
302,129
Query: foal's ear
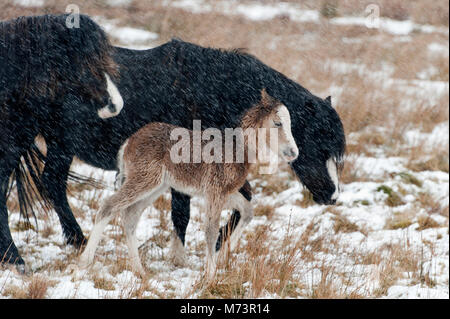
x,y
328,99
266,99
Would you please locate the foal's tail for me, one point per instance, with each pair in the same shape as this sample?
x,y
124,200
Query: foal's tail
x,y
31,191
120,176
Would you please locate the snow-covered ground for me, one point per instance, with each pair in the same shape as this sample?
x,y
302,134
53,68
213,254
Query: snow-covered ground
x,y
367,245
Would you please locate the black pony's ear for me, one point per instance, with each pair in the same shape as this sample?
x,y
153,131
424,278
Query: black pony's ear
x,y
328,99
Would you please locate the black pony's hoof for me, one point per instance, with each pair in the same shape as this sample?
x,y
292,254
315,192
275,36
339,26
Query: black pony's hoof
x,y
77,241
19,267
22,269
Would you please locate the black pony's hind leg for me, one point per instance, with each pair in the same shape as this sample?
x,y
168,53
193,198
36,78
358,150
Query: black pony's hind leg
x,y
16,135
9,253
54,179
226,231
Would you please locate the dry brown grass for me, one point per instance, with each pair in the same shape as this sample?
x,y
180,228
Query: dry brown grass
x,y
101,282
264,270
37,288
342,224
264,210
400,220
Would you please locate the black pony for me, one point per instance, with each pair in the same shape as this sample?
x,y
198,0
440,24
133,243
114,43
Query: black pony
x,y
176,83
48,73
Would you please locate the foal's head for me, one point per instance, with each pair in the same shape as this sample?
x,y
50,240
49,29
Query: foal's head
x,y
271,114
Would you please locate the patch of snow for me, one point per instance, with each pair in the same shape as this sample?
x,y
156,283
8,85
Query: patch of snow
x,y
416,292
255,11
394,27
118,3
438,48
127,36
29,3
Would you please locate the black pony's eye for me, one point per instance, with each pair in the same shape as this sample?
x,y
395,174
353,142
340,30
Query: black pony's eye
x,y
277,124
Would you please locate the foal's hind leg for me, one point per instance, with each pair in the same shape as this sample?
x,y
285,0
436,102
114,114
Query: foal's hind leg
x,y
107,212
130,220
133,190
110,208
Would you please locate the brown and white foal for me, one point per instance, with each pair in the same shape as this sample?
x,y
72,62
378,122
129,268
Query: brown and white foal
x,y
149,171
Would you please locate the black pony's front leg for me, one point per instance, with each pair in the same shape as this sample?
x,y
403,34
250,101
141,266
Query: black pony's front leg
x,y
180,213
54,179
226,231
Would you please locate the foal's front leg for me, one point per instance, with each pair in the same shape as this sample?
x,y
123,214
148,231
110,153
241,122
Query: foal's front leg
x,y
211,231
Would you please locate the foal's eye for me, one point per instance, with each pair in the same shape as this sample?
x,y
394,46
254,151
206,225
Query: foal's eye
x,y
277,124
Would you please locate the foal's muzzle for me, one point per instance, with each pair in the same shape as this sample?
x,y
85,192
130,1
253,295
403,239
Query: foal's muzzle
x,y
290,154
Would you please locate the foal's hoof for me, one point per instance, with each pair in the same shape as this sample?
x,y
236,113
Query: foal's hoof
x,y
178,260
72,269
177,253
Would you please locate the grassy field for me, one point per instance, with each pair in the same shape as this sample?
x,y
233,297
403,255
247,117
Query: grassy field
x,y
388,235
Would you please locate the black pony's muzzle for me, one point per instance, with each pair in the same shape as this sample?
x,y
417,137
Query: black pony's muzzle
x,y
111,106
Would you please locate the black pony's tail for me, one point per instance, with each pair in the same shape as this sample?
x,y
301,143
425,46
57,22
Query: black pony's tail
x,y
32,194
27,178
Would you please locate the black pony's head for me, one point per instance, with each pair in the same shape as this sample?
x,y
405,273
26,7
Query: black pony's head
x,y
43,59
319,134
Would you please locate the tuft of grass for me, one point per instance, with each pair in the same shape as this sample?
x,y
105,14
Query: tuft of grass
x,y
399,221
47,231
426,221
23,225
15,292
343,225
307,199
37,288
408,178
393,198
431,205
329,9
101,282
264,210
363,202
437,162
163,204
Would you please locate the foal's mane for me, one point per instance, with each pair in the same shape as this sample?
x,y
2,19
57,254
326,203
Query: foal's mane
x,y
257,114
